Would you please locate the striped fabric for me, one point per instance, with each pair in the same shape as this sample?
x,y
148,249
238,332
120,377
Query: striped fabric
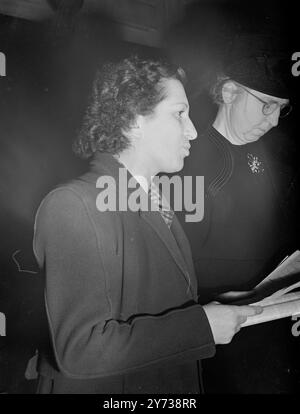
x,y
162,204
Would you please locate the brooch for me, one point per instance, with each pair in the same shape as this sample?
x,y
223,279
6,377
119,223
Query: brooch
x,y
255,165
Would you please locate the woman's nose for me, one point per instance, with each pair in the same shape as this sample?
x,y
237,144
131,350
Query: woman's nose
x,y
190,130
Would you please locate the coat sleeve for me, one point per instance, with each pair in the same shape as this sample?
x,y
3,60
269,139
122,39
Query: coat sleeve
x,y
87,341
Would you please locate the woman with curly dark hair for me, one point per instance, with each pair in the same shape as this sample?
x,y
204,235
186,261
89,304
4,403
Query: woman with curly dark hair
x,y
119,94
120,290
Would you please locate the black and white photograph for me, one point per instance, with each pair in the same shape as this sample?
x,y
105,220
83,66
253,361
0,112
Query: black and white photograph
x,y
149,194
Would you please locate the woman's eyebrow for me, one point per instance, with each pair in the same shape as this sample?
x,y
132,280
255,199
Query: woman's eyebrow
x,y
181,103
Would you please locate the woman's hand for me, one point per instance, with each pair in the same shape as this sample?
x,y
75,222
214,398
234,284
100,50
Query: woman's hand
x,y
226,320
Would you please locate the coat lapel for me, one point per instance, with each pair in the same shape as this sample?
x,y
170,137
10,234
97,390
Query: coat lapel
x,y
155,220
174,242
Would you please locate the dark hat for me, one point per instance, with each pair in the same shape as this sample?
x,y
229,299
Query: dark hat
x,y
259,61
261,73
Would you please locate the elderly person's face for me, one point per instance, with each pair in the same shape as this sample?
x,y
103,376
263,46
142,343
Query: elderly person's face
x,y
246,120
165,134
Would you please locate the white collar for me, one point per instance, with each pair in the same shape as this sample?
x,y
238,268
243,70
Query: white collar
x,y
139,178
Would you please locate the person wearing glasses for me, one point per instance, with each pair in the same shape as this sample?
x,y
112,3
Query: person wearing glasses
x,y
245,231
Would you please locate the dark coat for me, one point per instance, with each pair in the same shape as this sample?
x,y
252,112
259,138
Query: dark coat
x,y
121,295
246,230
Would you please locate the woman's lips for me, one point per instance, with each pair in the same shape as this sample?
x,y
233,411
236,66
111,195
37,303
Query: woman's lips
x,y
187,149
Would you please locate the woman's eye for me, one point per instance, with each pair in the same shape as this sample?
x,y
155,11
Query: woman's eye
x,y
180,113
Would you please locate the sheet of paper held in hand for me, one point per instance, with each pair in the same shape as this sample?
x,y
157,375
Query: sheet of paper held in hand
x,y
283,302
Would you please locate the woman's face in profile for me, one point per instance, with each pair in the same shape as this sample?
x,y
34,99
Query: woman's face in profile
x,y
167,131
247,121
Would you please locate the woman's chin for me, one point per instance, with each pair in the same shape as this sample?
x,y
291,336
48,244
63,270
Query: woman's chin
x,y
174,167
178,166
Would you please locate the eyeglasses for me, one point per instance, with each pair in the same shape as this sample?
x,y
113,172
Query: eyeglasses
x,y
270,107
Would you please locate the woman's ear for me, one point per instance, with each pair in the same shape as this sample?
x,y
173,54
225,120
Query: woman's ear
x,y
229,92
138,125
135,130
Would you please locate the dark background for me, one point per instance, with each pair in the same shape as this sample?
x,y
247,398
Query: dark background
x,y
50,66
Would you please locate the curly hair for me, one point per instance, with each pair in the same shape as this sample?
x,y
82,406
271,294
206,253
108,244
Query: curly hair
x,y
217,88
120,92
